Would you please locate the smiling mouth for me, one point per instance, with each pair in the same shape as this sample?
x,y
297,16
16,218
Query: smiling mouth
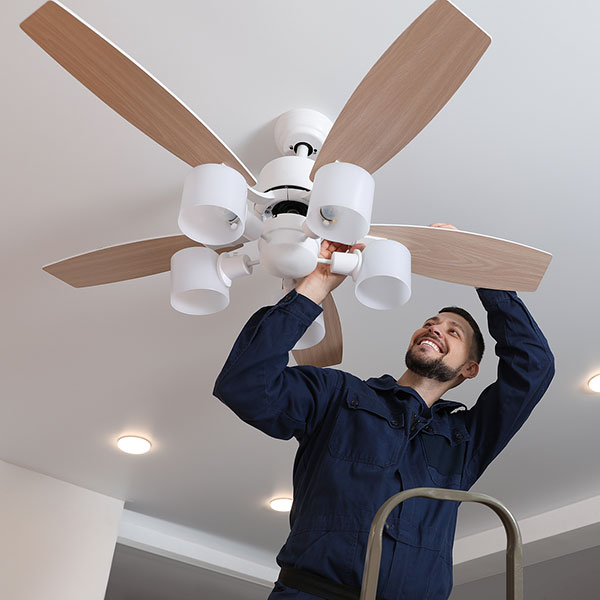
x,y
431,344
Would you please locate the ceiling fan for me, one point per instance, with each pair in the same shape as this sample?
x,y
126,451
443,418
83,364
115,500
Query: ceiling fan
x,y
290,203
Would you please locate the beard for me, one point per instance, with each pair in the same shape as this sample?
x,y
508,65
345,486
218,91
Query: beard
x,y
430,368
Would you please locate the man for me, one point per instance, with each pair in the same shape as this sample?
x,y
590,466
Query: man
x,y
360,442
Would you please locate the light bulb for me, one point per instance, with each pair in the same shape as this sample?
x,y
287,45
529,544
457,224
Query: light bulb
x,y
329,214
221,213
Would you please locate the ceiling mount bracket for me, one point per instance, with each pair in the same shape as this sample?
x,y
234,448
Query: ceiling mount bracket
x,y
301,127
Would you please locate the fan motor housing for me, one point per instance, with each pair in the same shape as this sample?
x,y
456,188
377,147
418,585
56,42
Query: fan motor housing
x,y
287,177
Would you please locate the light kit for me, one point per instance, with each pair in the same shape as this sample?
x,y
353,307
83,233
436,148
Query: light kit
x,y
285,250
289,234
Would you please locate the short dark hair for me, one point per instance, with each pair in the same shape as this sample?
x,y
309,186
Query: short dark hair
x,y
478,346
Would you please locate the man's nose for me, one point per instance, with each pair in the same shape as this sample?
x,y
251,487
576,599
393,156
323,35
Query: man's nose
x,y
435,330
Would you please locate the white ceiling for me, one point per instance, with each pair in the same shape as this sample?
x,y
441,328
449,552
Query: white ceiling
x,y
513,154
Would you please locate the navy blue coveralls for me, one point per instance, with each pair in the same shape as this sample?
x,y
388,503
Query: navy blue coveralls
x,y
361,442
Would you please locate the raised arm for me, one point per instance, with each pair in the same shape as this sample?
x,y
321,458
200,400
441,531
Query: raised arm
x,y
256,382
525,370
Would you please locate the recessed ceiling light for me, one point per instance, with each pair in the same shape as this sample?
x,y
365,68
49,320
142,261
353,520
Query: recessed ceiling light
x,y
133,444
281,504
594,383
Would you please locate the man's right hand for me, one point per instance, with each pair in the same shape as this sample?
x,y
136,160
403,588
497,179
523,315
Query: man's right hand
x,y
318,284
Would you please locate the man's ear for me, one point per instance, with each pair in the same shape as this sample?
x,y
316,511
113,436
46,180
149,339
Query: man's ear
x,y
470,370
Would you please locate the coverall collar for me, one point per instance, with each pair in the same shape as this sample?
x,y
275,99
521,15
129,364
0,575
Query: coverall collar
x,y
388,382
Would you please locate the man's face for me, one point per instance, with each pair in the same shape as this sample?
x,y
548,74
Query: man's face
x,y
440,350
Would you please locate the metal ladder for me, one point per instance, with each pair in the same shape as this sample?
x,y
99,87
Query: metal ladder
x,y
514,551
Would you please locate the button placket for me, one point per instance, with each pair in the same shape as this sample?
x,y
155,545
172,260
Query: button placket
x,y
414,424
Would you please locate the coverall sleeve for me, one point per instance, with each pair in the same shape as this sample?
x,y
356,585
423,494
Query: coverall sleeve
x,y
525,370
256,382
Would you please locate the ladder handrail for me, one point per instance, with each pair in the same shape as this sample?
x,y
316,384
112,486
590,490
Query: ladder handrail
x,y
514,552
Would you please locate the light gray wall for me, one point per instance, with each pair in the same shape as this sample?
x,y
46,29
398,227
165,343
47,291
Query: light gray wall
x,y
138,574
56,539
572,577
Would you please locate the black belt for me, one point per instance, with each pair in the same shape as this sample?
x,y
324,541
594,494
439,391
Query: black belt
x,y
317,585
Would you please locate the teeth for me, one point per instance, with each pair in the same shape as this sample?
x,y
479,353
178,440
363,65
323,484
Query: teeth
x,y
429,344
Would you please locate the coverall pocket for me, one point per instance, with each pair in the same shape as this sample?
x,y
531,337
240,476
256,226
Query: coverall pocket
x,y
444,461
366,431
418,574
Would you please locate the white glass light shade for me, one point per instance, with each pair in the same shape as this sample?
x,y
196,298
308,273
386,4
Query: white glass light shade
x,y
213,205
341,203
383,281
196,285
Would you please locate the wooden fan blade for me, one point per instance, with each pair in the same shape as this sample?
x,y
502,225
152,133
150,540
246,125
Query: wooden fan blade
x,y
469,258
405,89
127,88
329,350
126,261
